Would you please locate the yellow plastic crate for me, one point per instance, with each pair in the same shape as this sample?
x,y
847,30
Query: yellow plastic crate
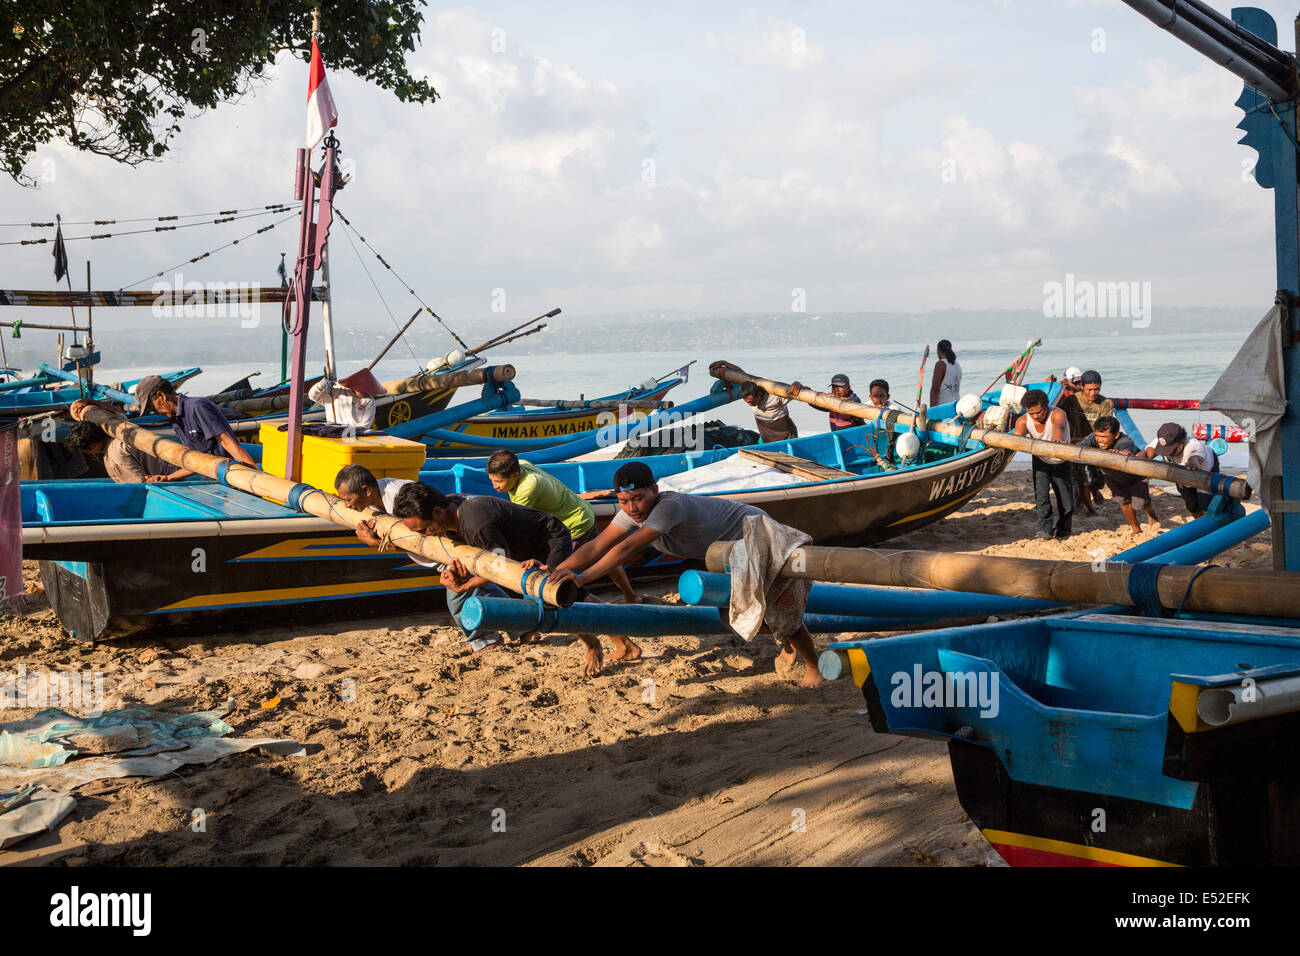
x,y
382,455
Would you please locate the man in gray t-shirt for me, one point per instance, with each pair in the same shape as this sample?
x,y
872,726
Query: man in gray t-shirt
x,y
688,524
680,524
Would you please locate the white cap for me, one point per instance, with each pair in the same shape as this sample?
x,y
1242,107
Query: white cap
x,y
1073,373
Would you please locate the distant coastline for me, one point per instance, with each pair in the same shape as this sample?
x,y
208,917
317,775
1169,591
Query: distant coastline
x,y
192,341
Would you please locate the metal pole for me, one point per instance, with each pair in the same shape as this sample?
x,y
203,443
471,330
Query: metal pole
x,y
90,332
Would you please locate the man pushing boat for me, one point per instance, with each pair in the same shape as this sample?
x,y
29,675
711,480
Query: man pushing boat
x,y
537,540
198,423
685,525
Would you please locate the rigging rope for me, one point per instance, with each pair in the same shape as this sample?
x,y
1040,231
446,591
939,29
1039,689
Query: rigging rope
x,y
204,255
382,300
137,232
108,222
347,223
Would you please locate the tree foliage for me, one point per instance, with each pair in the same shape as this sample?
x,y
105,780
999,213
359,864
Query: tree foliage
x,y
117,77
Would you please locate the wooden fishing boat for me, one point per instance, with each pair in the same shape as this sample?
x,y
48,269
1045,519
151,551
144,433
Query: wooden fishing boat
x,y
21,403
218,559
547,425
1187,754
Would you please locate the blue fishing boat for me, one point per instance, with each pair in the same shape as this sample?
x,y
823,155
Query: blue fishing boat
x,y
20,403
1107,739
262,563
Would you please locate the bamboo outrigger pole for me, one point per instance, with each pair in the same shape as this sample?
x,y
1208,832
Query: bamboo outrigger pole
x,y
494,567
1208,589
1144,467
425,381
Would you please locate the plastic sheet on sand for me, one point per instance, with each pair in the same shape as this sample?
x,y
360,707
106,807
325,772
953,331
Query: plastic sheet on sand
x,y
135,742
31,810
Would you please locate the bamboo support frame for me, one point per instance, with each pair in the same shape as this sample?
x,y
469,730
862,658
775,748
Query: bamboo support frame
x,y
1215,590
426,381
1132,465
496,568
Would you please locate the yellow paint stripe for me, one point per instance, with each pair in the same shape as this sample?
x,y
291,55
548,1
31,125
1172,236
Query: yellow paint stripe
x,y
312,548
1182,704
858,663
926,514
1077,850
301,593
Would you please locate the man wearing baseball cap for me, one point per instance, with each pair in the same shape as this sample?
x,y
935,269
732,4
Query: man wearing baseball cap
x,y
1172,444
350,401
197,422
840,388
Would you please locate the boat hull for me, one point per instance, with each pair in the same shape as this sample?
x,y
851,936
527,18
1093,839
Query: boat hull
x,y
196,582
1062,758
544,423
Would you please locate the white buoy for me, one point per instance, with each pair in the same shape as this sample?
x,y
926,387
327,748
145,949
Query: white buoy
x,y
969,406
908,446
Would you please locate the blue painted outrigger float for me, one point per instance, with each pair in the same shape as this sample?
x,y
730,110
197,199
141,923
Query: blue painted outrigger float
x,y
1105,738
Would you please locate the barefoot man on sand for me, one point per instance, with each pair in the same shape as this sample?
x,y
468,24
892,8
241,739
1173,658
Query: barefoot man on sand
x,y
533,538
684,525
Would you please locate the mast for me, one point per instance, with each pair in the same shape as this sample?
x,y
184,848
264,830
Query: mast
x,y
311,246
1247,46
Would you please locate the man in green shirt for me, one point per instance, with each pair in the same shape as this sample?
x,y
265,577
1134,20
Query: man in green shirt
x,y
528,485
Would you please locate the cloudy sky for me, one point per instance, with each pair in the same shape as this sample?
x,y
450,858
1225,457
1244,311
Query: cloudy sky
x,y
879,155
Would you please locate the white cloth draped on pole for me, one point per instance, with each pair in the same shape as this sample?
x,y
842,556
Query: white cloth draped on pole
x,y
758,592
1252,392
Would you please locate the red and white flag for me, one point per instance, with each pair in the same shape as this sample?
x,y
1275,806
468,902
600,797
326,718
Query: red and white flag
x,y
321,114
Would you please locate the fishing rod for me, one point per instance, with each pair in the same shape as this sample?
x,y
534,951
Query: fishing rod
x,y
393,340
484,348
496,339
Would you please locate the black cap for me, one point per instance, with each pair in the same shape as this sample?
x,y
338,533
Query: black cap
x,y
633,475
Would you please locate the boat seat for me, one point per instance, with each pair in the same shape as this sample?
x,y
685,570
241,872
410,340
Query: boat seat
x,y
793,465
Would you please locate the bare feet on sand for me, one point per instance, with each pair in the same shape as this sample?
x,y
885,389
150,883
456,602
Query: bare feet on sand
x,y
591,665
811,677
624,650
787,657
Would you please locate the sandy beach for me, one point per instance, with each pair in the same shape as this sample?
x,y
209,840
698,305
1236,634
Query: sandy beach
x,y
698,754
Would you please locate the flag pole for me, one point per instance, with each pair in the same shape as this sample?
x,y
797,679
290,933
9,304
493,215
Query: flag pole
x,y
312,237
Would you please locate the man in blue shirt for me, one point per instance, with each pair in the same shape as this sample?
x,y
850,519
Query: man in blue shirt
x,y
198,423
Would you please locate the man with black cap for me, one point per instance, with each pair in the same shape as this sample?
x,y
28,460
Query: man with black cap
x,y
840,388
1172,444
685,525
197,422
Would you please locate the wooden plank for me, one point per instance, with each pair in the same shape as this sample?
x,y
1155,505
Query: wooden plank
x,y
802,467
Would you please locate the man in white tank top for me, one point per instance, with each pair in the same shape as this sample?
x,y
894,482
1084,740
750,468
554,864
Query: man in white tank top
x,y
1050,474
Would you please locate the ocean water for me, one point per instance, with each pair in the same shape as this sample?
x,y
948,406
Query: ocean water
x,y
1163,366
